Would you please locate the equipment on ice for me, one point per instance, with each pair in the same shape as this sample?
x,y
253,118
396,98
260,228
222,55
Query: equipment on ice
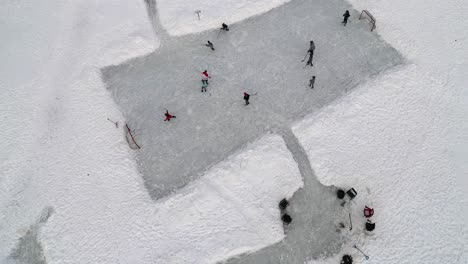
x,y
283,204
287,219
368,212
370,226
367,257
347,259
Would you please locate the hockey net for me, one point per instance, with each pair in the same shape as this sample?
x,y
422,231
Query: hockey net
x,y
368,16
130,139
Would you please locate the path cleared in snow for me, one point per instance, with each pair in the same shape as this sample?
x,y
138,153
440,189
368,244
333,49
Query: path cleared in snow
x,y
316,213
259,55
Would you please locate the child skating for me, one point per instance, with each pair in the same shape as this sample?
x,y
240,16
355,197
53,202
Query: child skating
x,y
312,82
168,116
205,77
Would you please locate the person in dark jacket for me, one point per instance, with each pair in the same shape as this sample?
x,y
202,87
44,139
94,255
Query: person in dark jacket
x,y
346,15
311,53
246,98
312,82
210,45
224,27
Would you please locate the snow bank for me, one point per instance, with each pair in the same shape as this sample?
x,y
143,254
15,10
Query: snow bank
x,y
178,17
231,209
62,152
399,139
58,140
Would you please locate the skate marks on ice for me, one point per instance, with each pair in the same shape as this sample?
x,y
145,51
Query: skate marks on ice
x,y
29,249
314,210
260,55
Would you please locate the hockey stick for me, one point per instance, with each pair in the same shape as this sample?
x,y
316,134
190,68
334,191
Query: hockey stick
x,y
305,57
219,33
115,123
350,223
367,257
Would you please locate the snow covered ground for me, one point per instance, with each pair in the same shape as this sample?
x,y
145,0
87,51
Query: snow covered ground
x,y
60,152
401,139
178,16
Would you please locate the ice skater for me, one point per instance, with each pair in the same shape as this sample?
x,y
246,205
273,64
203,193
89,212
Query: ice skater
x,y
311,53
205,77
346,15
224,27
210,45
168,116
312,82
246,98
203,86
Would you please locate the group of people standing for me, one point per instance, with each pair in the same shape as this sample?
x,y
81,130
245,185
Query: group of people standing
x,y
224,27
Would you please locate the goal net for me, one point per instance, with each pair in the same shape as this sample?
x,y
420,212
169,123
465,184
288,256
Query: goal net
x,y
368,16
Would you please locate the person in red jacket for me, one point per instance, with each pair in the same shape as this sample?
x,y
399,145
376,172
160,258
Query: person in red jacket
x,y
205,77
168,116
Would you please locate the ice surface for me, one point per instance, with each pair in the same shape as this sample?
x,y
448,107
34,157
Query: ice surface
x,y
315,212
260,55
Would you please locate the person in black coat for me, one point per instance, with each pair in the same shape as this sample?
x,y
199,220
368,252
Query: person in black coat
x,y
346,15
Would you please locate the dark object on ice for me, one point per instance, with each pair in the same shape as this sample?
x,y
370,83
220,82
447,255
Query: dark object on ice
x,y
246,98
283,204
340,194
341,225
362,252
210,45
311,53
368,212
224,27
370,226
168,116
312,82
350,222
351,193
286,219
347,259
346,15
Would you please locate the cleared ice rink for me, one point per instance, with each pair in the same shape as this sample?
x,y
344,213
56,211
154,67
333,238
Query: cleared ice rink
x,y
261,55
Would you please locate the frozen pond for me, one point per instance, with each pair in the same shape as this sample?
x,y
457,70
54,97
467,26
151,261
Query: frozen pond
x,y
261,55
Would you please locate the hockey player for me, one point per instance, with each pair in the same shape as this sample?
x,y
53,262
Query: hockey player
x,y
168,116
311,53
346,15
312,82
210,45
205,77
224,27
246,98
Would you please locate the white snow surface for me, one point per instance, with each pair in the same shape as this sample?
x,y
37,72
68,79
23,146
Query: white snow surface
x,y
403,136
59,150
401,139
230,210
178,17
